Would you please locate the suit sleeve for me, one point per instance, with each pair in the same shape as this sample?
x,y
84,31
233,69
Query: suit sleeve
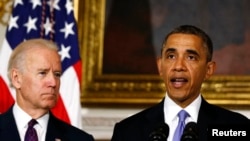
x,y
116,133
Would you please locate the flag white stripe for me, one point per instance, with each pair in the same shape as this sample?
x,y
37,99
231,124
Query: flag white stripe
x,y
5,52
71,96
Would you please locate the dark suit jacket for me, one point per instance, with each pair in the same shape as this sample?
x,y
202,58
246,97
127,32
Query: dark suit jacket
x,y
139,126
56,129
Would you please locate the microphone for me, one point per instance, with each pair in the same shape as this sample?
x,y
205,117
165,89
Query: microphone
x,y
190,132
160,133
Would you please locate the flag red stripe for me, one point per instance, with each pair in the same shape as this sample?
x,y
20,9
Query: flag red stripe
x,y
78,68
60,111
6,98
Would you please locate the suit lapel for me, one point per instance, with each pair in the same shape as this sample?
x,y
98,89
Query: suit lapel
x,y
54,130
8,128
206,115
155,118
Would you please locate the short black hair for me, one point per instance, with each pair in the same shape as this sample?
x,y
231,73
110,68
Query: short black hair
x,y
190,29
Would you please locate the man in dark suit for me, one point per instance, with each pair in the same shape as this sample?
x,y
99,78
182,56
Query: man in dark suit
x,y
34,70
185,62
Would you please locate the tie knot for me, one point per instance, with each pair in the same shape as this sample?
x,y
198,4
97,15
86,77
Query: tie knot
x,y
182,115
32,122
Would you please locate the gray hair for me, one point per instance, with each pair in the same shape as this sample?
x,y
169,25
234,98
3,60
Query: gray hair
x,y
18,56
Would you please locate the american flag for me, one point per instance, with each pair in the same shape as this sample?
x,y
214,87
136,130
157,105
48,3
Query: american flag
x,y
54,20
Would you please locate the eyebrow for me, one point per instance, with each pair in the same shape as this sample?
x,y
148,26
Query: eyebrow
x,y
193,52
46,70
42,69
190,51
169,50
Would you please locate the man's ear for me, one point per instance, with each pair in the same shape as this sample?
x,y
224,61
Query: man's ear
x,y
15,77
159,62
211,66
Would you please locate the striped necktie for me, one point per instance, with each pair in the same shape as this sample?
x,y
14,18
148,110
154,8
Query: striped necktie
x,y
31,134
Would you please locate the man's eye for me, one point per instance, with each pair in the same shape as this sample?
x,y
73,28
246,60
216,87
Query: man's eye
x,y
42,73
192,57
58,74
170,56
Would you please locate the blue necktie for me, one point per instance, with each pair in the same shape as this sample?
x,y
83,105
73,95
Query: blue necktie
x,y
31,134
181,124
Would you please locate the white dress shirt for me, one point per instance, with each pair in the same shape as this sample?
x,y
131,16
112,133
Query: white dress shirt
x,y
171,109
22,119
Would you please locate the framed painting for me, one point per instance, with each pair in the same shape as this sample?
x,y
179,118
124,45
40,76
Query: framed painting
x,y
120,40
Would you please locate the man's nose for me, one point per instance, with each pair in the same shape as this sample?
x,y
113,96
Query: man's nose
x,y
179,65
52,80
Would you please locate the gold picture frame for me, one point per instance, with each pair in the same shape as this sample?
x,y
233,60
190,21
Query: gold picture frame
x,y
137,90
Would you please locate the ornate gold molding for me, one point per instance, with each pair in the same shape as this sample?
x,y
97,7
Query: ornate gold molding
x,y
5,11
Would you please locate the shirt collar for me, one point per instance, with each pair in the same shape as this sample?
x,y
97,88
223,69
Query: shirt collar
x,y
171,109
25,118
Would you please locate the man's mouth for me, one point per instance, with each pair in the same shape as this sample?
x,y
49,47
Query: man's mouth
x,y
178,82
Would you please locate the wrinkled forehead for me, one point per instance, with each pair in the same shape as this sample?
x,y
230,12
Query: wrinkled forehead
x,y
184,40
43,58
37,43
179,41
